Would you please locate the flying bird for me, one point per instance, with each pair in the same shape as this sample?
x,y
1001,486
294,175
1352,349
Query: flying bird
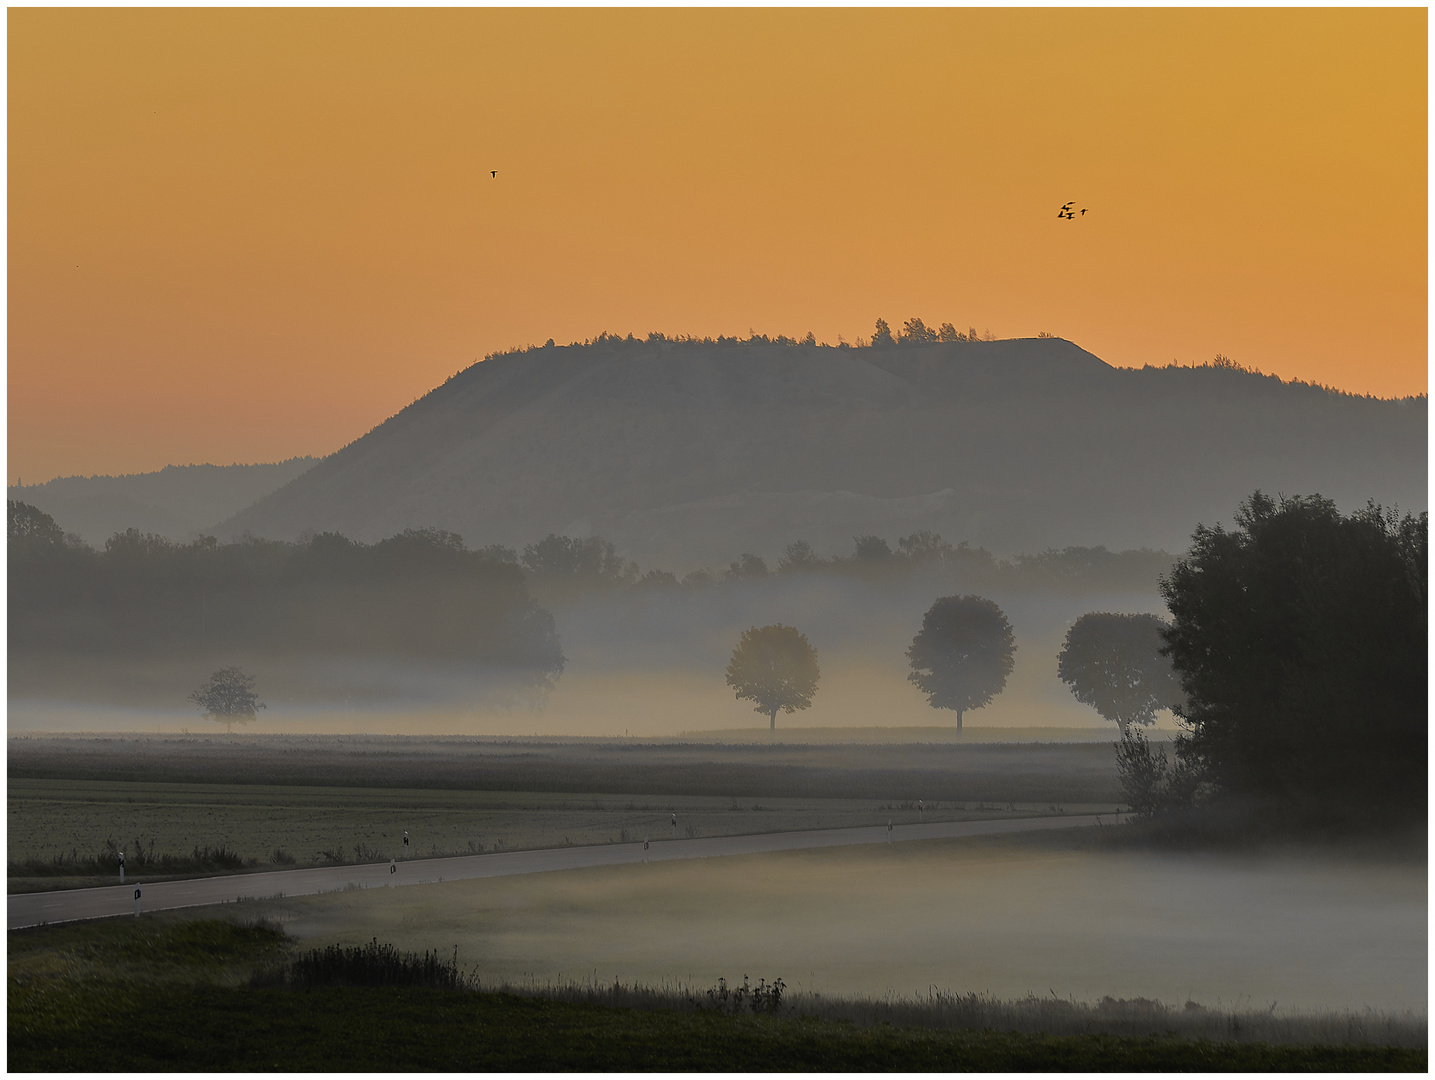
x,y
495,176
1083,211
1065,211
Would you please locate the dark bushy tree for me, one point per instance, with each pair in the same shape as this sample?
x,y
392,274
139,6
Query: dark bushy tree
x,y
915,332
798,555
963,654
589,559
1300,640
1114,664
228,696
882,335
749,567
924,546
1143,773
31,527
775,668
871,549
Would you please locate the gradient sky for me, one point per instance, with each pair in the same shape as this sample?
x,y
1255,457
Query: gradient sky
x,y
248,234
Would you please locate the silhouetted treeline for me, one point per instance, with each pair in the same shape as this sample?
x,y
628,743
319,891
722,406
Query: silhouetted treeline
x,y
561,565
418,594
915,332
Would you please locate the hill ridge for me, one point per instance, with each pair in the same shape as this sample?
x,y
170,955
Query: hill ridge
x,y
1029,442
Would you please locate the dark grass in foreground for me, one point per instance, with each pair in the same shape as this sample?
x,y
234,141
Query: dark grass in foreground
x,y
169,994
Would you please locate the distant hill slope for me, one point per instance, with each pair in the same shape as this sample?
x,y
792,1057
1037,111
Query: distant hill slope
x,y
178,501
686,453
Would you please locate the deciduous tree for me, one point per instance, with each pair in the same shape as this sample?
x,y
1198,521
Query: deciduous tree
x,y
1114,664
1300,640
228,696
775,668
963,654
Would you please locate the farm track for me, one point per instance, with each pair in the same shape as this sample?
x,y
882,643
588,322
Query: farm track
x,y
70,905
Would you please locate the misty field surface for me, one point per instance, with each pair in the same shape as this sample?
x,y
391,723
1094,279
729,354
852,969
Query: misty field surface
x,y
1007,916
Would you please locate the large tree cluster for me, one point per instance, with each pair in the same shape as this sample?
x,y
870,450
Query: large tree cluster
x,y
1300,640
420,594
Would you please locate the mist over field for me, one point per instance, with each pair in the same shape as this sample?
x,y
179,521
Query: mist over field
x,y
1291,932
640,661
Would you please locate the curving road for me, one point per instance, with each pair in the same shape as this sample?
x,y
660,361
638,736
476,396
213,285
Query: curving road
x,y
70,905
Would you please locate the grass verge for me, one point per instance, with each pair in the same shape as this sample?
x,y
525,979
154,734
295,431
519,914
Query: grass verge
x,y
172,994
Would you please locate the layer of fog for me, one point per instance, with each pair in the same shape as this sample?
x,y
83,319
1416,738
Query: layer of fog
x,y
1257,932
639,662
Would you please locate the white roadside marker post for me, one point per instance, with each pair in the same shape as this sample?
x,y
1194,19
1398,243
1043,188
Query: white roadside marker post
x,y
889,832
137,903
122,867
406,843
675,826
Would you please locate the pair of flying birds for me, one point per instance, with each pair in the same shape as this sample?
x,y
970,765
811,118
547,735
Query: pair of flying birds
x,y
1066,210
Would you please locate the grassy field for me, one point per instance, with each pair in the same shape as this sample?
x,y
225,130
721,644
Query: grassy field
x,y
174,994
1041,773
57,829
198,804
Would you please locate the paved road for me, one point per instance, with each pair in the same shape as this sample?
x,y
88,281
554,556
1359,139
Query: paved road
x,y
69,905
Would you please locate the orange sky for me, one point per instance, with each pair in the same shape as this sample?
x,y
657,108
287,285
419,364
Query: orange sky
x,y
243,235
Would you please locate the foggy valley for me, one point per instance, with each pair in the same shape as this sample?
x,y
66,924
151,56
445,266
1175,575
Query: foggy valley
x,y
717,540
491,692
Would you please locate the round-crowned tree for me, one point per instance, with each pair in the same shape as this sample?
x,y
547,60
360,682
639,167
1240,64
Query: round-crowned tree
x,y
963,654
1114,664
1301,639
228,696
775,668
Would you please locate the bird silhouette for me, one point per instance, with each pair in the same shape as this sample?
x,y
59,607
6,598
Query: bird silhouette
x,y
1083,211
495,174
1065,211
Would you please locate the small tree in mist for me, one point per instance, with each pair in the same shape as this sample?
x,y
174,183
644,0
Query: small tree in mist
x,y
963,654
775,668
1149,781
228,696
1114,664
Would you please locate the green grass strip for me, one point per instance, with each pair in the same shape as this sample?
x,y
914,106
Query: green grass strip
x,y
116,1026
